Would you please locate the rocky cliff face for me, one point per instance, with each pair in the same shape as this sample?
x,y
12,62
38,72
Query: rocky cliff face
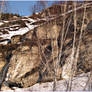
x,y
33,51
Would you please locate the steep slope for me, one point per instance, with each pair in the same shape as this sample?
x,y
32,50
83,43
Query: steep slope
x,y
35,46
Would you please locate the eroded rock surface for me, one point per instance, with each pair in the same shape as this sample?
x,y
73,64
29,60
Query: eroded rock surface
x,y
23,62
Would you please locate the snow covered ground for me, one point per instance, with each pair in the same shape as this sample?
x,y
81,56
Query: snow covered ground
x,y
1,23
79,83
15,29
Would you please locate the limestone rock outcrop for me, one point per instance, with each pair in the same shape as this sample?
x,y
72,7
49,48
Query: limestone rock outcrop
x,y
23,61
